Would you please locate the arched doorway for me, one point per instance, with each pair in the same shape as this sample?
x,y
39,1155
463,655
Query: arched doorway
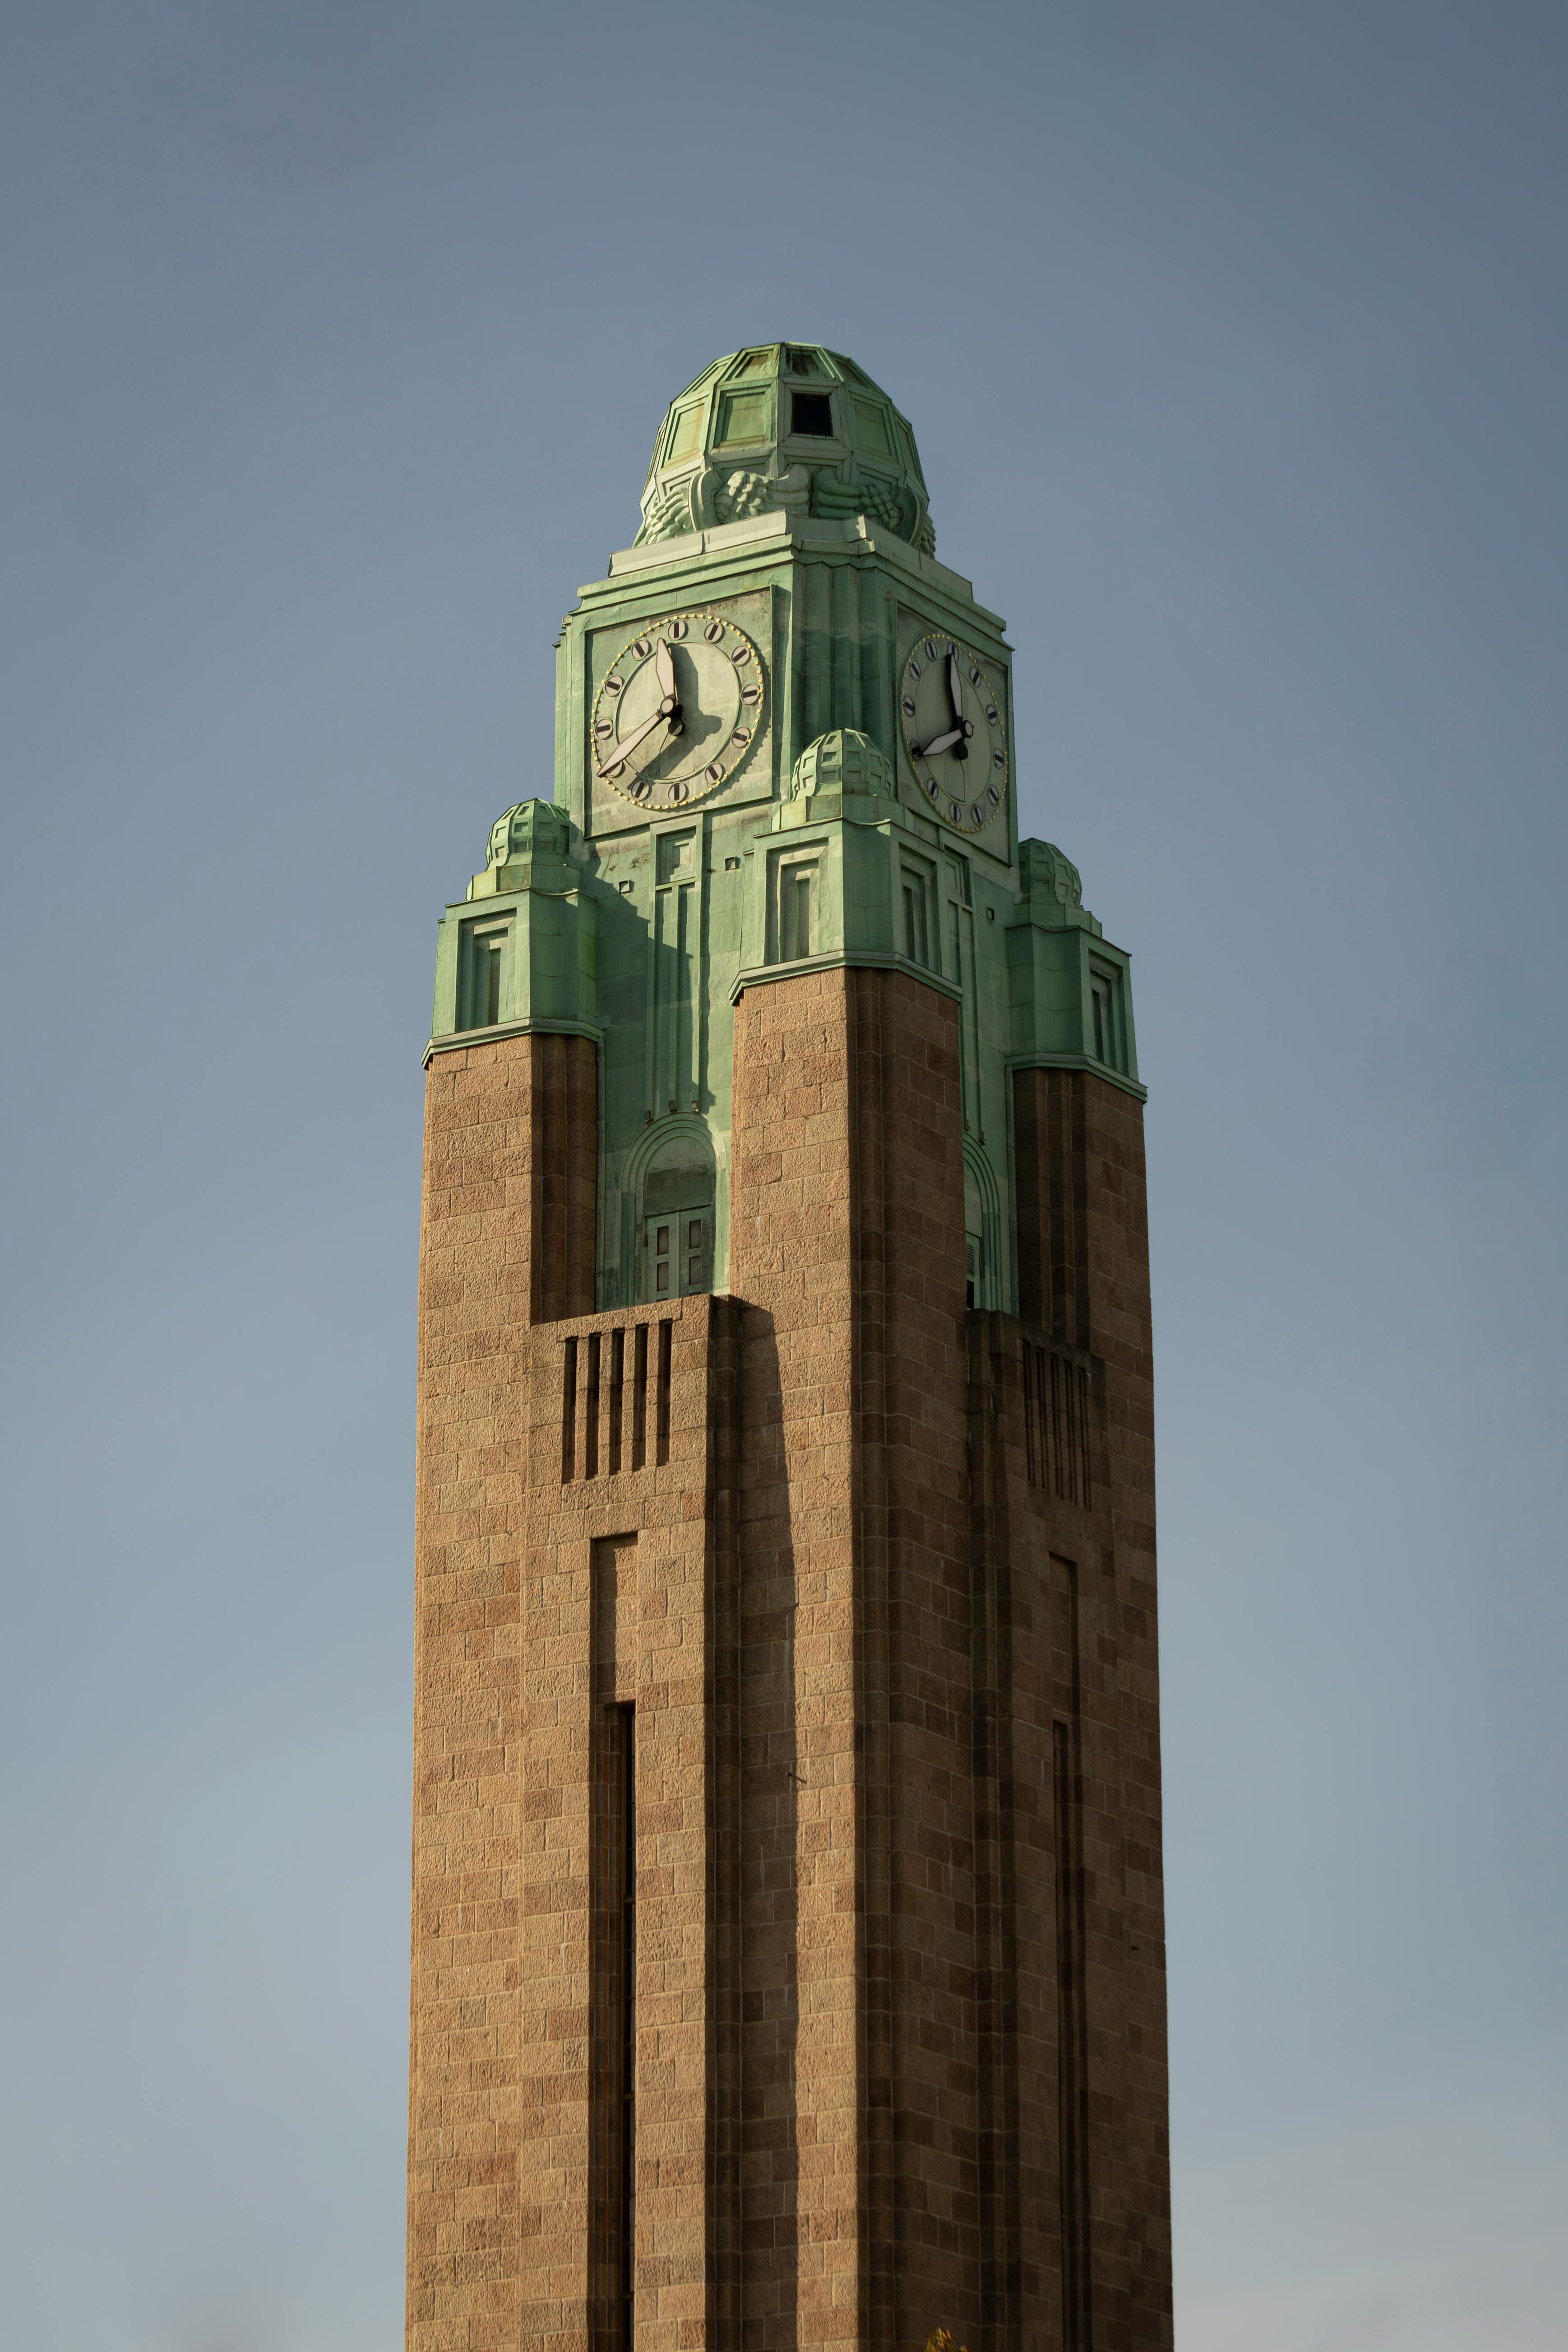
x,y
677,1220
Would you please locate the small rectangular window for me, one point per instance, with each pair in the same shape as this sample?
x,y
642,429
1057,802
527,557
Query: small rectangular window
x,y
679,1250
687,433
481,974
794,914
812,412
917,928
1106,1042
793,908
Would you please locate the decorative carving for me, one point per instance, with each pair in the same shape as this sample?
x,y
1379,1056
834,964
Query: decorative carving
x,y
669,514
882,500
741,496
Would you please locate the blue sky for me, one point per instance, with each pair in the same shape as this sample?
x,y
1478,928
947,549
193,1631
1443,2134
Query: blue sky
x,y
336,339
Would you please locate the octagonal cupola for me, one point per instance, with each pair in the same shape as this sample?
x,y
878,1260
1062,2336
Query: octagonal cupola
x,y
787,428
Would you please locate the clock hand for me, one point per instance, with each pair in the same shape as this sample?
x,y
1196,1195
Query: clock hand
x,y
664,661
956,689
621,752
943,743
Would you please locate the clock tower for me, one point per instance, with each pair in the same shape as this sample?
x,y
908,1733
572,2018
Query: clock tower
x,y
788,1960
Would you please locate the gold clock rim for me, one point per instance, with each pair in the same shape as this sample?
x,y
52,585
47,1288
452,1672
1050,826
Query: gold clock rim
x,y
934,802
700,791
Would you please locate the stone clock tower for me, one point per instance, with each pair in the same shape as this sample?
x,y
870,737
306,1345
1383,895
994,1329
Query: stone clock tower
x,y
787,1932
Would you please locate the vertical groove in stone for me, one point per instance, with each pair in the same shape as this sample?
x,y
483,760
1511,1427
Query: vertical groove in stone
x,y
997,1876
875,652
869,1504
726,2142
846,651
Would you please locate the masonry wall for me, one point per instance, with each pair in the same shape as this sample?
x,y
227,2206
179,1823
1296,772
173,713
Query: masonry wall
x,y
875,1575
506,1237
847,1242
1084,1293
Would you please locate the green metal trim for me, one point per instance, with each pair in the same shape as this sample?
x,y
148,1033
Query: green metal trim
x,y
757,975
1078,1062
451,1040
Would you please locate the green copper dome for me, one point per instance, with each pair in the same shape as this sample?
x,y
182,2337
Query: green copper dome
x,y
842,761
785,428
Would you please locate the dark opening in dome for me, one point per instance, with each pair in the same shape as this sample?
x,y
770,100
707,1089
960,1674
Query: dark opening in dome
x,y
811,411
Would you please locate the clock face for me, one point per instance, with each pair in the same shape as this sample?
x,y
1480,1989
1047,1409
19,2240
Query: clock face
x,y
678,710
956,732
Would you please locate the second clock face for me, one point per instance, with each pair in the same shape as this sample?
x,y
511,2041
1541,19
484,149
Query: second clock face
x,y
956,732
678,710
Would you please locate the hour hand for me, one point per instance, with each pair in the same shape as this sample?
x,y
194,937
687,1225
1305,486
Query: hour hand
x,y
620,753
942,742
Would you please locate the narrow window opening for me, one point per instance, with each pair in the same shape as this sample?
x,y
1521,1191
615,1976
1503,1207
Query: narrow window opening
x,y
1105,1013
915,938
977,1247
1031,1412
591,1410
661,1434
795,915
639,1398
568,1411
617,1395
480,958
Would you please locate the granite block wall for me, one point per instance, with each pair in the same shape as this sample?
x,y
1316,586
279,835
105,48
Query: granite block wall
x,y
868,1579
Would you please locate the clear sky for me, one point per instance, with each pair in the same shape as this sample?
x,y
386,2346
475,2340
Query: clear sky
x,y
335,336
